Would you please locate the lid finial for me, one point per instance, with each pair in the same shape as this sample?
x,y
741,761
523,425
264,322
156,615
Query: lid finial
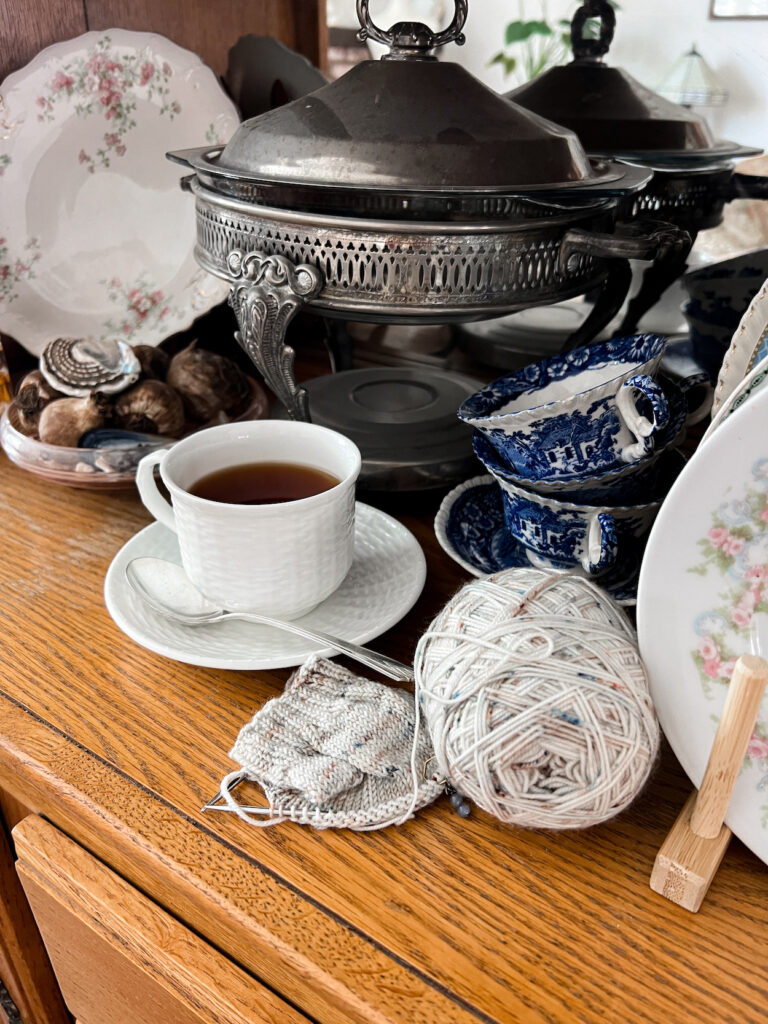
x,y
411,40
592,49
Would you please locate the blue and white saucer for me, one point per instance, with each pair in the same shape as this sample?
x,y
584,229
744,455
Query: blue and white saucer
x,y
470,527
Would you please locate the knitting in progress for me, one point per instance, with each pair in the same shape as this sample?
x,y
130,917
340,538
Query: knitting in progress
x,y
536,700
533,704
335,750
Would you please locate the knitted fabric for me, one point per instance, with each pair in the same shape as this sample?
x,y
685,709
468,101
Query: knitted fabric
x,y
336,750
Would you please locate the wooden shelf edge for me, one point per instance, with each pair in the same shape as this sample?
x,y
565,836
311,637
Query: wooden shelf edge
x,y
241,909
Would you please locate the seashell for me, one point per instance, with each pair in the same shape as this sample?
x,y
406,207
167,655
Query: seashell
x,y
34,393
64,421
77,366
154,361
150,407
25,422
208,383
108,437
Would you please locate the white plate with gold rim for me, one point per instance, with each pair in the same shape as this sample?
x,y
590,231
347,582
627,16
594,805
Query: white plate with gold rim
x,y
97,236
749,386
703,600
387,576
748,347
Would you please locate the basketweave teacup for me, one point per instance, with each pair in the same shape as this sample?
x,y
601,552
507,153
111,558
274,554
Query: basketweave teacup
x,y
280,559
580,414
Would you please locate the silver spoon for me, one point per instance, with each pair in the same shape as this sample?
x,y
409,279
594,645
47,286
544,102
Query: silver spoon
x,y
166,588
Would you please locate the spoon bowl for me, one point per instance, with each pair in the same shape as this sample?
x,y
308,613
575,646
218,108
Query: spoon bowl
x,y
166,588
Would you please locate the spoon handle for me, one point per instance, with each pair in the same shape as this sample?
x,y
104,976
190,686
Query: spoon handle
x,y
379,662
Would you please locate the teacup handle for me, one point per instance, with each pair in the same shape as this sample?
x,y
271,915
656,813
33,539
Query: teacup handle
x,y
641,428
151,497
602,544
697,410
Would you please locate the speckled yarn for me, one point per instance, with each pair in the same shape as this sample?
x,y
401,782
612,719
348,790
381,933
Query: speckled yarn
x,y
536,700
334,750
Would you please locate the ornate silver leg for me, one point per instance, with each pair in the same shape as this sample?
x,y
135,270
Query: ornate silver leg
x,y
266,294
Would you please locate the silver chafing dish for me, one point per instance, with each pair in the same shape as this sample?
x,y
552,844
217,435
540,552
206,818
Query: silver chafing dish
x,y
406,191
615,117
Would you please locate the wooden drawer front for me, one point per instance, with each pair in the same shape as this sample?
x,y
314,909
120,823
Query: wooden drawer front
x,y
118,957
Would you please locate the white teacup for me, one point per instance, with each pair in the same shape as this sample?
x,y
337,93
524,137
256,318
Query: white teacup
x,y
280,559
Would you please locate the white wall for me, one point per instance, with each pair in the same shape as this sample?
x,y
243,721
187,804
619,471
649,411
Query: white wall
x,y
650,36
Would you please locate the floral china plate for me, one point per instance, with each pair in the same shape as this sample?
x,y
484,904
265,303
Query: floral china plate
x,y
748,387
97,237
470,527
703,599
748,347
386,578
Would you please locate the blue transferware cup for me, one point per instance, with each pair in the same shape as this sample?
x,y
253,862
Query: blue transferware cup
x,y
580,414
570,535
650,482
719,295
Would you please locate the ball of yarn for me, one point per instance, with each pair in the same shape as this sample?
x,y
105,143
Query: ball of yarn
x,y
536,700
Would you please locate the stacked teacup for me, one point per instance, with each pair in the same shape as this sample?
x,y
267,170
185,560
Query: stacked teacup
x,y
583,448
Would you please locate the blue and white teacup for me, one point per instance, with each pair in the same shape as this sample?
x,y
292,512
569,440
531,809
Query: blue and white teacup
x,y
568,535
580,414
650,482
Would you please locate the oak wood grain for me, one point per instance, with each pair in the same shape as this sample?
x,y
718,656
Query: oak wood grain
x,y
27,26
149,967
12,811
208,29
24,965
211,29
441,920
237,903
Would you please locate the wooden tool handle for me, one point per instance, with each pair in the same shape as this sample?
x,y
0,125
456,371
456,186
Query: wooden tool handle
x,y
745,692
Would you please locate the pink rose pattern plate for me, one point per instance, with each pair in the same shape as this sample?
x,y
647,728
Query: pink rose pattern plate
x,y
97,238
703,601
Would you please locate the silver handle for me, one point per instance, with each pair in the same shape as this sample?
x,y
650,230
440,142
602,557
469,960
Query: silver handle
x,y
379,662
412,40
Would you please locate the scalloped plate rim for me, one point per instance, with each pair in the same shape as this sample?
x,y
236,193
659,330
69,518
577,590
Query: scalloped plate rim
x,y
34,339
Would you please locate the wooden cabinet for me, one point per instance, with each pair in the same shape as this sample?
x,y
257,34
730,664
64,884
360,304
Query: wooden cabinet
x,y
208,29
24,966
118,957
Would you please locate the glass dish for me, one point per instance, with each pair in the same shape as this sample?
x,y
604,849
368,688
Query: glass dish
x,y
103,469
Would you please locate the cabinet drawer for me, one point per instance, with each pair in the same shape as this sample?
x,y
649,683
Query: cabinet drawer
x,y
121,959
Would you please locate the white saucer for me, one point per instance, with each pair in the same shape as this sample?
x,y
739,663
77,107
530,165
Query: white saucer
x,y
386,579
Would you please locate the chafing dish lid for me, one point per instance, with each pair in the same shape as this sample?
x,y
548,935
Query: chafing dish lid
x,y
406,122
611,112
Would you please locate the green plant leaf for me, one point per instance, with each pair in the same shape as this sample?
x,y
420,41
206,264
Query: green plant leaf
x,y
508,63
592,28
519,31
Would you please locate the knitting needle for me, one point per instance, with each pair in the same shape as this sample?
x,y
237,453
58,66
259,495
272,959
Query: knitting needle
x,y
232,781
691,854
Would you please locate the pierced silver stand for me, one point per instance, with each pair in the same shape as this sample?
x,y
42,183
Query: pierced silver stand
x,y
266,293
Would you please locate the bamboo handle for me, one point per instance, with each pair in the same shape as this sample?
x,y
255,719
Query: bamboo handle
x,y
745,692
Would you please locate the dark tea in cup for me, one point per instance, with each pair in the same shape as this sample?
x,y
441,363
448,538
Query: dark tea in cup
x,y
276,534
263,483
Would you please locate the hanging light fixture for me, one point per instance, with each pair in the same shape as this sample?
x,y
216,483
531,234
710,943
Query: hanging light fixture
x,y
692,83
